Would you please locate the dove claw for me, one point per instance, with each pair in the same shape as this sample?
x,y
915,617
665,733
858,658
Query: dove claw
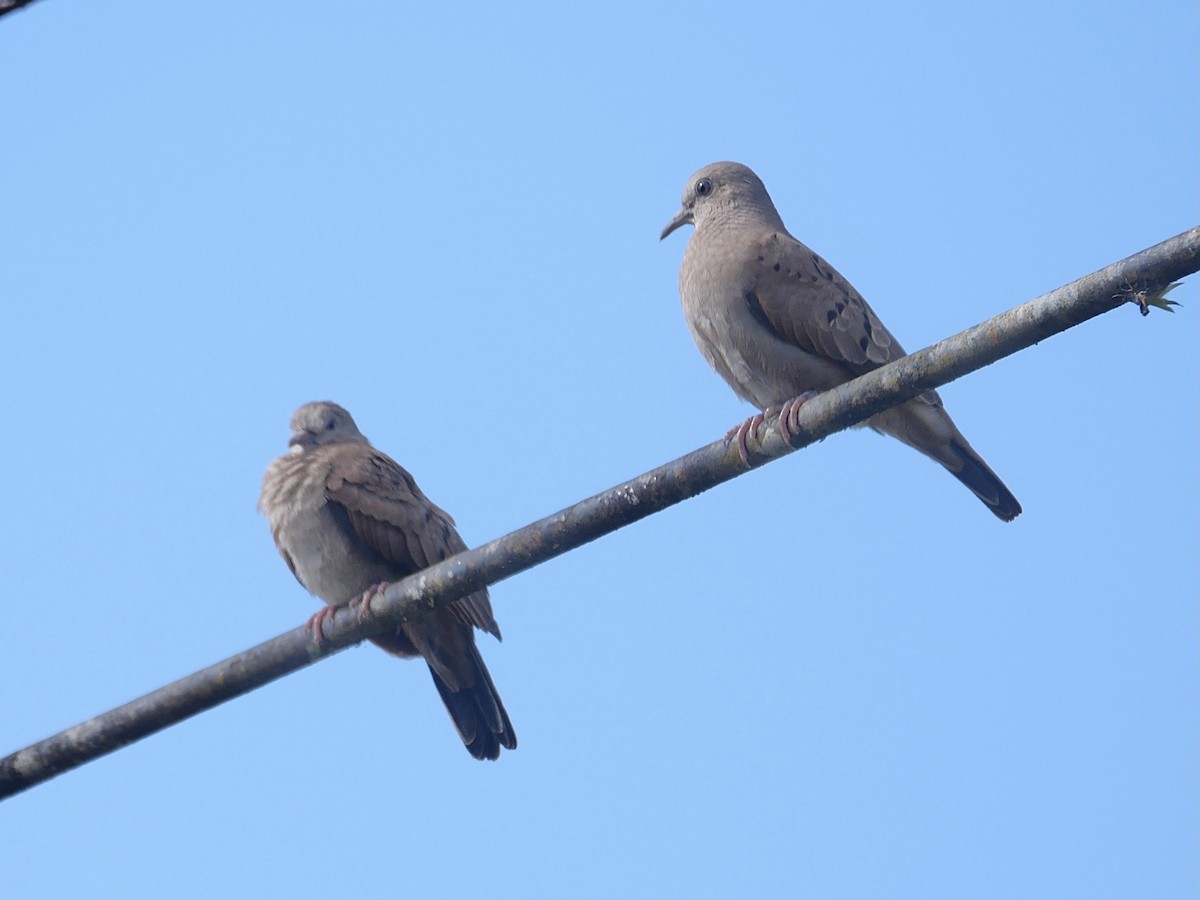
x,y
787,417
363,601
316,623
741,434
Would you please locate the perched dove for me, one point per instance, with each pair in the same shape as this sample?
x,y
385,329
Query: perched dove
x,y
777,322
345,518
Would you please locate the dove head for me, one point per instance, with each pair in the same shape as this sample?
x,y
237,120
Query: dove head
x,y
321,423
724,193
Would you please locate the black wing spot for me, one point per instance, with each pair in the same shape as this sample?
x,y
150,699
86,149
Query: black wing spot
x,y
775,267
863,342
831,316
867,325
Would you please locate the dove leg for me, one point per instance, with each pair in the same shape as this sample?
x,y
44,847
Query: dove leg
x,y
787,425
363,600
742,432
787,416
316,623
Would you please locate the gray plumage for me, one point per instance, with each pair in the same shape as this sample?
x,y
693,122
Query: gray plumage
x,y
776,321
346,517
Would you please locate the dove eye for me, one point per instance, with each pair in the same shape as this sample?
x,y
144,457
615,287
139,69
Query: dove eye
x,y
703,187
329,425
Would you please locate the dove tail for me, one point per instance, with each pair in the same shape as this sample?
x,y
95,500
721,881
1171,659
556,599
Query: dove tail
x,y
984,483
477,711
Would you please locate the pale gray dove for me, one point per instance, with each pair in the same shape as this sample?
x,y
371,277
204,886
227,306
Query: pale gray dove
x,y
346,518
777,322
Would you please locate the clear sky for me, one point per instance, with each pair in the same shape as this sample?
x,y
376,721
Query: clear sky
x,y
838,676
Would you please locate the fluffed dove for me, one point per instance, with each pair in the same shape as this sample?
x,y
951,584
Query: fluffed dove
x,y
345,518
777,322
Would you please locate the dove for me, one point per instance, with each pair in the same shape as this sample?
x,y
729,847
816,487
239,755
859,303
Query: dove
x,y
780,324
347,518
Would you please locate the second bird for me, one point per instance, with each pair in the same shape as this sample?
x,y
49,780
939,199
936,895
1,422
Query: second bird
x,y
776,321
345,518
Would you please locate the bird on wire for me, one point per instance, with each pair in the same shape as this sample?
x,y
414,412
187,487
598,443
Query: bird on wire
x,y
347,518
780,324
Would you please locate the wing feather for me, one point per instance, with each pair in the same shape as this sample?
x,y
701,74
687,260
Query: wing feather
x,y
394,518
804,301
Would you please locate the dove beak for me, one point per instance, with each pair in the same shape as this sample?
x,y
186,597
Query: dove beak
x,y
683,217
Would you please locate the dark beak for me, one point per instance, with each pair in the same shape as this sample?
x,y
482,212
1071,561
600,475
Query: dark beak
x,y
683,217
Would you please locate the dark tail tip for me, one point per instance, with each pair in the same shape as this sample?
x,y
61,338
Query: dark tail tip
x,y
478,713
986,485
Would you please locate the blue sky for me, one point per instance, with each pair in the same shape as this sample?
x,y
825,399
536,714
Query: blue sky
x,y
838,676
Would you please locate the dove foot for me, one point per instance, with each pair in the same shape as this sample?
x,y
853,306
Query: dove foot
x,y
787,424
787,416
363,600
742,433
316,623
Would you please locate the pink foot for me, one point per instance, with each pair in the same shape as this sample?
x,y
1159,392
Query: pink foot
x,y
363,601
742,433
316,623
787,416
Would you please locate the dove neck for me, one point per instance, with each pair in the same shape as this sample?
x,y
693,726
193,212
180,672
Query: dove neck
x,y
747,215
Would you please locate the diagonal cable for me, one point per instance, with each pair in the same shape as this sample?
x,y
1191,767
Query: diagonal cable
x,y
1142,279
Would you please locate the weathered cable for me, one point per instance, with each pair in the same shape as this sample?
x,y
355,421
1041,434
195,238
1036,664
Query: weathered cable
x,y
1142,279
